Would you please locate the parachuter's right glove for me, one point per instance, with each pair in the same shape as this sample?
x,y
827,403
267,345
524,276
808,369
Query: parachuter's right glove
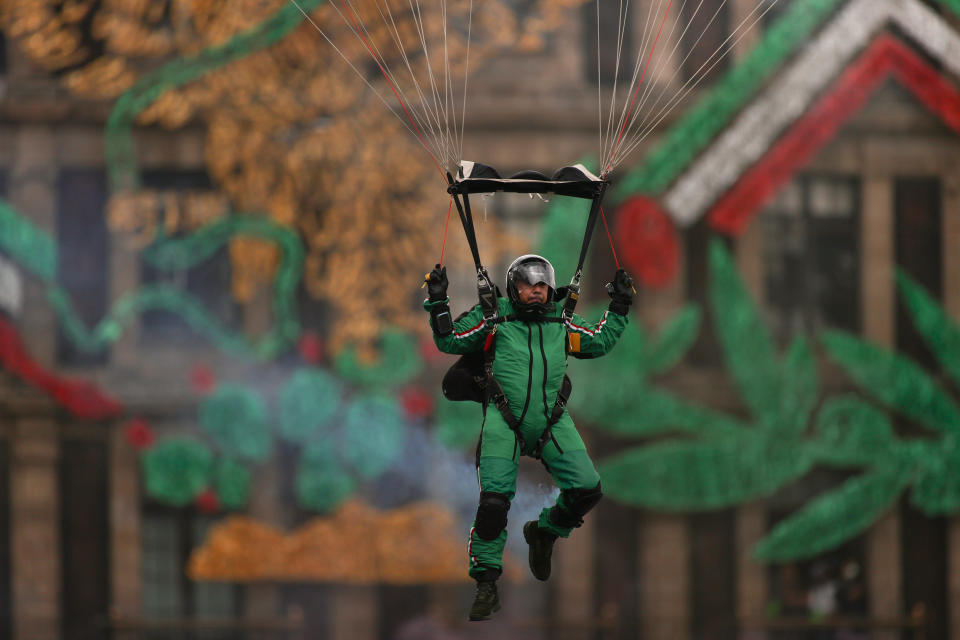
x,y
621,292
437,284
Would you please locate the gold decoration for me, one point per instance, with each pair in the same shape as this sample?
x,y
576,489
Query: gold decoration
x,y
416,544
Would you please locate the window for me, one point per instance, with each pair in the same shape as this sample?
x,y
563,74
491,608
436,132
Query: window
x,y
812,257
83,247
169,536
609,28
704,39
208,281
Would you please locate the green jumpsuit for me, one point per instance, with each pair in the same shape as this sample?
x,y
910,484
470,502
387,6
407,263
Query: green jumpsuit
x,y
530,365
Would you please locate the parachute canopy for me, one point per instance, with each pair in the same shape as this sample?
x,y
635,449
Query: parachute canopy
x,y
575,181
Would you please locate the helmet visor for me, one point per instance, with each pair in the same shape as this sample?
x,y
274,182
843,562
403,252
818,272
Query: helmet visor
x,y
536,272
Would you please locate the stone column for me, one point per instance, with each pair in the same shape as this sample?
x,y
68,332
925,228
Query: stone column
x,y
951,302
752,584
35,530
354,612
664,577
574,576
953,575
32,193
750,258
877,304
744,14
125,547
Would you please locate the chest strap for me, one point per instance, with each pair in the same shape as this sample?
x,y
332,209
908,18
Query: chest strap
x,y
494,394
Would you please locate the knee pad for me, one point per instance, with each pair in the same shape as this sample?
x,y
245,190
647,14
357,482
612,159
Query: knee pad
x,y
491,515
576,504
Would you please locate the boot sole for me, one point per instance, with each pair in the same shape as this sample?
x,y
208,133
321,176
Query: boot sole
x,y
486,617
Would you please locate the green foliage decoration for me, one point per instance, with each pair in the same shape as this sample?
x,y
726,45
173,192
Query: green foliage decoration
x,y
176,469
321,481
236,419
399,362
231,479
309,401
27,245
458,423
374,434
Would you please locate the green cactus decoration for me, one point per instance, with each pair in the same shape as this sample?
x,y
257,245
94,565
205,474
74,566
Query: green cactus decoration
x,y
176,470
236,419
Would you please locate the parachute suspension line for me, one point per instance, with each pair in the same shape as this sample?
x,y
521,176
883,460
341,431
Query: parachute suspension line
x,y
616,145
466,77
740,32
445,225
355,70
599,85
432,118
622,12
390,83
417,14
603,217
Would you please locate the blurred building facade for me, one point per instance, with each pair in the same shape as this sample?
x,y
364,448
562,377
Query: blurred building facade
x,y
84,554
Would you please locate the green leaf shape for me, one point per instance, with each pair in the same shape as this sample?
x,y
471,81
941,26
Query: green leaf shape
x,y
309,401
673,340
894,380
642,410
851,431
684,475
747,344
236,419
321,481
176,469
799,388
399,362
833,518
936,491
941,334
231,478
458,423
374,434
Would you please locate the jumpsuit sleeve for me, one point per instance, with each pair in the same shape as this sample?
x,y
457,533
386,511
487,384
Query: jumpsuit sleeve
x,y
594,340
469,331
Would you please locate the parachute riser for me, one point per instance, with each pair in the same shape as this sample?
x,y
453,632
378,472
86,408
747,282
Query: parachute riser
x,y
486,291
573,289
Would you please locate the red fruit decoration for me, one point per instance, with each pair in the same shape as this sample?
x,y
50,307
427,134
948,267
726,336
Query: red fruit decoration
x,y
417,403
647,241
310,347
207,501
138,434
202,379
430,353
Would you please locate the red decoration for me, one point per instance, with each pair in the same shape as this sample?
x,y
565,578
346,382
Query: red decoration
x,y
310,347
82,399
202,379
416,403
648,241
138,434
207,501
886,57
430,353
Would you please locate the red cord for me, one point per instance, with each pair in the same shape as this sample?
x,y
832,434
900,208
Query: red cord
x,y
609,238
616,145
445,224
392,88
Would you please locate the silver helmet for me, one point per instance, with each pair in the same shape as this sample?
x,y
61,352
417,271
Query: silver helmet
x,y
532,269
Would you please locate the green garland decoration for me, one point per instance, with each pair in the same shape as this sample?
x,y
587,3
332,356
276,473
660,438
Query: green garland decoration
x,y
308,403
176,470
232,482
701,124
398,364
374,434
120,153
458,423
321,482
26,244
236,419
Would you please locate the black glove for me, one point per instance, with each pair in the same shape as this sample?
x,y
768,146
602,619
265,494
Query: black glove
x,y
621,292
437,283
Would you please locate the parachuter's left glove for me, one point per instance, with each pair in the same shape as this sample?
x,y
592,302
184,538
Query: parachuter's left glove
x,y
621,292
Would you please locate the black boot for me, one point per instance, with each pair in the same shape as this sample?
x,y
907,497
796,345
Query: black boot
x,y
486,602
541,548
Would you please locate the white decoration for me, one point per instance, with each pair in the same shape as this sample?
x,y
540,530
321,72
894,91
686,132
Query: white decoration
x,y
11,287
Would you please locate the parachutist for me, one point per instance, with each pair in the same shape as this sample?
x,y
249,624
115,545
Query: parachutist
x,y
531,339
